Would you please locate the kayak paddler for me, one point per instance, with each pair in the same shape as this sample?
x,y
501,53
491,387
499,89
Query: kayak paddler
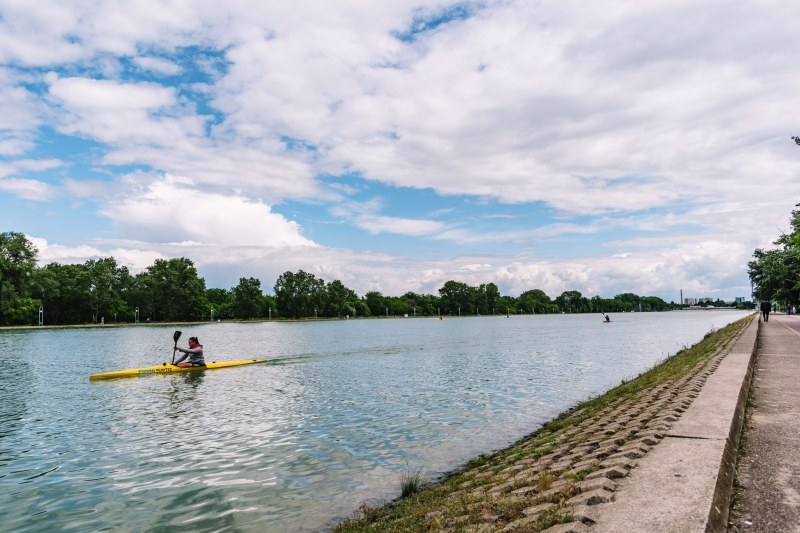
x,y
194,353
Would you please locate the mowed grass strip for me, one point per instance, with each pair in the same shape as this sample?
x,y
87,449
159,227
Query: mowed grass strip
x,y
464,498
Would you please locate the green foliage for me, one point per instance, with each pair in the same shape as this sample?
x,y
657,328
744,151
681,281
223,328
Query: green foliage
x,y
299,294
248,301
411,481
171,290
17,264
775,274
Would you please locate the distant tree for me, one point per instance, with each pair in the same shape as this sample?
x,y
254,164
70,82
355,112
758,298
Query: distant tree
x,y
774,274
339,300
534,301
377,303
171,290
457,297
572,302
221,301
107,285
248,300
17,264
298,294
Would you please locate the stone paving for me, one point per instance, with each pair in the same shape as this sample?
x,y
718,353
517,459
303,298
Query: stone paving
x,y
554,481
580,471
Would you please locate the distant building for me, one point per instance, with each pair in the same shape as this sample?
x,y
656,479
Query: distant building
x,y
740,300
690,301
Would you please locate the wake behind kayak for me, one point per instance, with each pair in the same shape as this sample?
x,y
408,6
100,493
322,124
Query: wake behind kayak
x,y
167,368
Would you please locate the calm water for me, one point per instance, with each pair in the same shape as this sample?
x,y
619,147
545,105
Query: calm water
x,y
345,409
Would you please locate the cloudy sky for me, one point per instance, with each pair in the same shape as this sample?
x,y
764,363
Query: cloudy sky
x,y
605,147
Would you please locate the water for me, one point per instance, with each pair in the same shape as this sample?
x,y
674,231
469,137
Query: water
x,y
343,411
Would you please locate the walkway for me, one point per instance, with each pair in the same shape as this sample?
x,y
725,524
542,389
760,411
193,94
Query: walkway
x,y
770,467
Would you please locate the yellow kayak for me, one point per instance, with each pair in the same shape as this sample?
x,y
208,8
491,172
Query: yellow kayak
x,y
167,368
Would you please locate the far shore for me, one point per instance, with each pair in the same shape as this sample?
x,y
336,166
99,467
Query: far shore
x,y
311,319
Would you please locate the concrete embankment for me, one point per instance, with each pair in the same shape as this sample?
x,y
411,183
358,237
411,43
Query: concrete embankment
x,y
684,484
655,454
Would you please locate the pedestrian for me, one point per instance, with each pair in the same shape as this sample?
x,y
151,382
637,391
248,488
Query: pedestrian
x,y
194,353
765,308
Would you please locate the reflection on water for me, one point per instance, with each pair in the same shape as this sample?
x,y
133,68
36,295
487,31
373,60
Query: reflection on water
x,y
333,421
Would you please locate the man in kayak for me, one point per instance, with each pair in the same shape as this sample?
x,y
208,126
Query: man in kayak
x,y
194,353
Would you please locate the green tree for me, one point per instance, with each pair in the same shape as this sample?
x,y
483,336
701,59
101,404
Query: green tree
x,y
774,275
107,284
17,264
298,294
339,300
572,302
221,302
248,300
457,298
170,289
378,305
535,301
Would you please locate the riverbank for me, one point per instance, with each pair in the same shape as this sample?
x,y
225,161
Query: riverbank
x,y
560,477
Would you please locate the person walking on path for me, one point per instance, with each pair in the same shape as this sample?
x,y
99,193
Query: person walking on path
x,y
769,464
765,308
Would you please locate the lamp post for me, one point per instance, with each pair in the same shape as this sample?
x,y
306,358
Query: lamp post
x,y
136,316
41,315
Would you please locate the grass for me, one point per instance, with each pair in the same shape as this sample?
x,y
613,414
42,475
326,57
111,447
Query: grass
x,y
460,500
410,482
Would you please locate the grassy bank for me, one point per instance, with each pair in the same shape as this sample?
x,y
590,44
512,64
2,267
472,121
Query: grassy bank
x,y
545,478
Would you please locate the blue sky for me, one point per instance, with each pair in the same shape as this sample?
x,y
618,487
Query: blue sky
x,y
604,148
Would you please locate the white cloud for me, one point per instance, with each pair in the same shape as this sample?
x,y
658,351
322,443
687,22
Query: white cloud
x,y
365,215
20,115
27,189
116,112
670,119
173,210
158,65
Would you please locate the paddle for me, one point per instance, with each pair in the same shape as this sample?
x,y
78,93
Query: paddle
x,y
175,337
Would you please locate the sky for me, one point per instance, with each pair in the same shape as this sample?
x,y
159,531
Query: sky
x,y
604,147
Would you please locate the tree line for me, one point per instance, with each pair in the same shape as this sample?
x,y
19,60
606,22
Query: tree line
x,y
170,290
775,273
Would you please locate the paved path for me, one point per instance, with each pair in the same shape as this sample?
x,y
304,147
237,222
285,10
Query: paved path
x,y
770,467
